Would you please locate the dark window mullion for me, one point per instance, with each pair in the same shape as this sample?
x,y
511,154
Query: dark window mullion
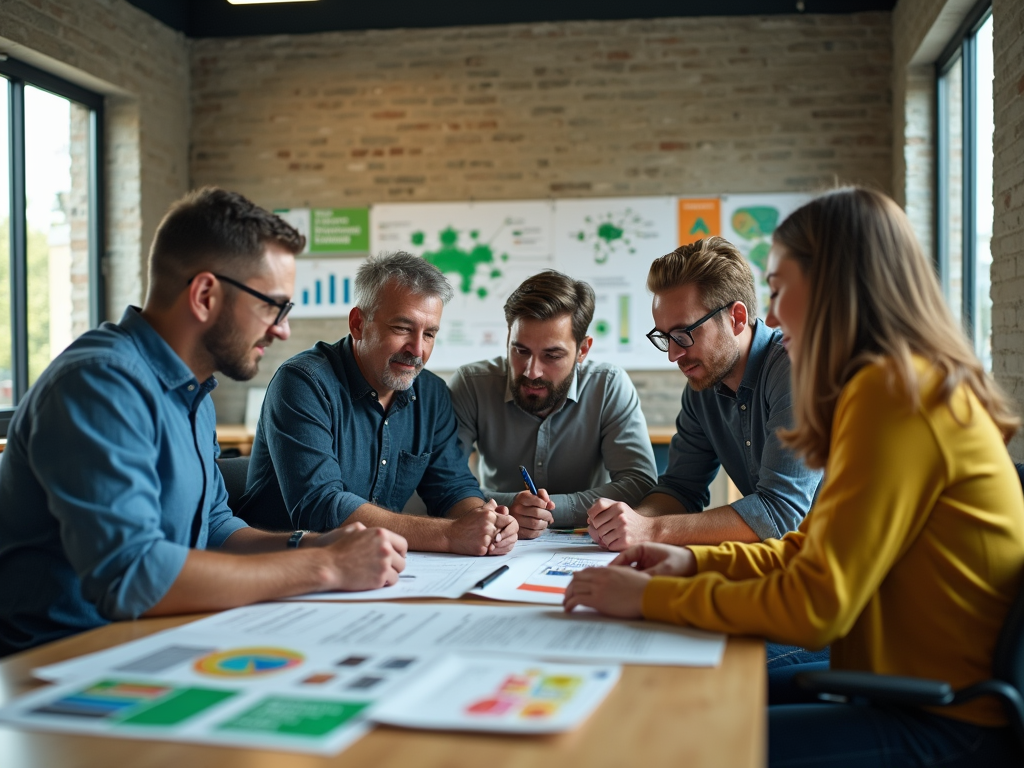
x,y
97,281
19,239
970,182
942,182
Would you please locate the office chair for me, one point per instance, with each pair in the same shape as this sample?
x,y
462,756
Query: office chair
x,y
1007,683
234,471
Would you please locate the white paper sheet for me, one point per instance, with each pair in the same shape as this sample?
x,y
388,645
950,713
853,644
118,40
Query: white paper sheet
x,y
504,695
426,574
420,630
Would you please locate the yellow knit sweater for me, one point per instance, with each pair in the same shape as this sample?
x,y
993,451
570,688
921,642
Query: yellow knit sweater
x,y
906,565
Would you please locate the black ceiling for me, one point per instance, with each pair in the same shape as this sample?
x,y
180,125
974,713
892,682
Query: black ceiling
x,y
218,18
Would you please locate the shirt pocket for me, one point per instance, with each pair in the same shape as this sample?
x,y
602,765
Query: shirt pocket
x,y
408,474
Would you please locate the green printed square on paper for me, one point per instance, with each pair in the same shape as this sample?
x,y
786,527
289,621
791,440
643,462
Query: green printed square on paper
x,y
339,230
297,717
179,707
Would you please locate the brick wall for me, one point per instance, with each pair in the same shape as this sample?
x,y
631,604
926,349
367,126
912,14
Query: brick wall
x,y
1008,183
677,106
142,68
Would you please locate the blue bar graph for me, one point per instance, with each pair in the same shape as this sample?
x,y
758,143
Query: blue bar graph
x,y
324,288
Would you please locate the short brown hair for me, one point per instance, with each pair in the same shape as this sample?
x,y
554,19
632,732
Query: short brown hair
x,y
551,294
213,229
716,266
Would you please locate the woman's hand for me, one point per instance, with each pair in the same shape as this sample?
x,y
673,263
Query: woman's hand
x,y
658,559
614,591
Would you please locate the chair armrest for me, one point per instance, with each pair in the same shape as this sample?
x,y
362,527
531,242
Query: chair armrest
x,y
898,690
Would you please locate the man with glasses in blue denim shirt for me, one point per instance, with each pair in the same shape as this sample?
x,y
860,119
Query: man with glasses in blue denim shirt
x,y
111,502
737,398
348,431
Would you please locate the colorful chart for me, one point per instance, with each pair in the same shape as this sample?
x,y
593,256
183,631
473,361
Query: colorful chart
x,y
248,662
532,694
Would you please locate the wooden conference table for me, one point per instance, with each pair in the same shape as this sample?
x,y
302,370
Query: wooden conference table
x,y
655,716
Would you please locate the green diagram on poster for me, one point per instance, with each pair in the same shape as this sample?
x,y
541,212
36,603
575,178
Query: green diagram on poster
x,y
612,232
452,259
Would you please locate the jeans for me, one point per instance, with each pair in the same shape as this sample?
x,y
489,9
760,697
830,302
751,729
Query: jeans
x,y
782,656
806,733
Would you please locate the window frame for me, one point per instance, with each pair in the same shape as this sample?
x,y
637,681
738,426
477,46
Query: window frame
x,y
962,47
19,75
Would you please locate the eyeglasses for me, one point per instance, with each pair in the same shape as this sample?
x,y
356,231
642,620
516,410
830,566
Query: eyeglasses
x,y
682,336
283,307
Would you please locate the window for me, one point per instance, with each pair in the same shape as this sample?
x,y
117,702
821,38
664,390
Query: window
x,y
965,207
50,214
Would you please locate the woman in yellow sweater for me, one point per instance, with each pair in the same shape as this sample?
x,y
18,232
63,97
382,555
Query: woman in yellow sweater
x,y
914,551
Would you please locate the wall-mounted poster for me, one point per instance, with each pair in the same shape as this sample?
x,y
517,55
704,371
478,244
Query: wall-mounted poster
x,y
485,249
699,218
610,243
749,221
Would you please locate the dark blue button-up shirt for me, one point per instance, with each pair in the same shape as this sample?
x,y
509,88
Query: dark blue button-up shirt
x,y
108,478
737,431
324,445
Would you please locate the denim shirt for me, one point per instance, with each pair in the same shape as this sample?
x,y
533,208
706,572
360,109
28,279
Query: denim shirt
x,y
737,431
108,478
325,446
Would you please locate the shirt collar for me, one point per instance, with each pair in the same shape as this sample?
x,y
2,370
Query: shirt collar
x,y
359,387
760,342
168,367
572,394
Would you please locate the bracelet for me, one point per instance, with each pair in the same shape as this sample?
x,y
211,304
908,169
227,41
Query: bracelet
x,y
295,538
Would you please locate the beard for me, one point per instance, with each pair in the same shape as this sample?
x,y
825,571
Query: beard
x,y
717,364
535,404
399,382
230,350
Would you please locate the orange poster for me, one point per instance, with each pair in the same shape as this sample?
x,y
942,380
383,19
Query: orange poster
x,y
699,217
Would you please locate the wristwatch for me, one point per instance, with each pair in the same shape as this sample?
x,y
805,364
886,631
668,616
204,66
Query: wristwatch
x,y
295,538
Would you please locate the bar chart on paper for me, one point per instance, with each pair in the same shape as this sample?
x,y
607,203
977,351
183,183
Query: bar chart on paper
x,y
324,287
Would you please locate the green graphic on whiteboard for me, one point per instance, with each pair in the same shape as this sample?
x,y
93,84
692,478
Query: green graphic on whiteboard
x,y
756,224
612,233
452,259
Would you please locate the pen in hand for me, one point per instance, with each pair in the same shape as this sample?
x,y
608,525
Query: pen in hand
x,y
527,480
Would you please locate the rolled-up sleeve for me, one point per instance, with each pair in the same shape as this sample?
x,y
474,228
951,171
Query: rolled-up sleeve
x,y
296,419
107,499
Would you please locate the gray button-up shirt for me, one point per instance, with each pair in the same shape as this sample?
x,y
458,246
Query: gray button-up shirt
x,y
737,430
595,445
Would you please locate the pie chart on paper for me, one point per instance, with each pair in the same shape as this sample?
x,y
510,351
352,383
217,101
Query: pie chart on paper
x,y
248,662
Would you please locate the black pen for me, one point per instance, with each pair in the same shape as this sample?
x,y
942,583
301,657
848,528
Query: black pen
x,y
490,577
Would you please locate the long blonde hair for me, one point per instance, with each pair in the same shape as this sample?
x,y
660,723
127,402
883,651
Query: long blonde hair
x,y
872,295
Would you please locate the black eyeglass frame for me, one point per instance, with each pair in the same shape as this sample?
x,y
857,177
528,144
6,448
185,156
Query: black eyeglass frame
x,y
283,307
659,338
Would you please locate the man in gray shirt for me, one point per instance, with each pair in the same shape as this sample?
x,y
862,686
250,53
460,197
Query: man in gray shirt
x,y
737,399
575,424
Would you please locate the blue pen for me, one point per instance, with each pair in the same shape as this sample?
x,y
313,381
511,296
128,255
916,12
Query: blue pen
x,y
527,480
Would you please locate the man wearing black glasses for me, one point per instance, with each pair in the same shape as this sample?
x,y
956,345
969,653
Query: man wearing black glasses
x,y
111,503
738,396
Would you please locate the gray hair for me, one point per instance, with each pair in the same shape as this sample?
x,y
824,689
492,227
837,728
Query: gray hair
x,y
411,272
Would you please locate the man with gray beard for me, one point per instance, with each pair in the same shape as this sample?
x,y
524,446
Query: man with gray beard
x,y
350,430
